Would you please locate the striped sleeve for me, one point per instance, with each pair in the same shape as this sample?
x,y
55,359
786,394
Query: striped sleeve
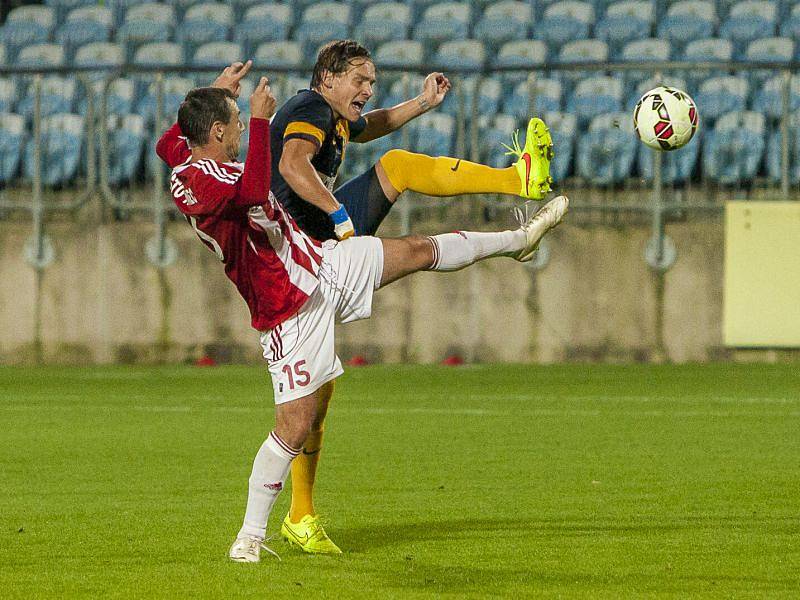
x,y
305,131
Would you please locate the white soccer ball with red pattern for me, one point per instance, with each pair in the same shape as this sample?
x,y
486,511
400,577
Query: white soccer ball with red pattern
x,y
665,118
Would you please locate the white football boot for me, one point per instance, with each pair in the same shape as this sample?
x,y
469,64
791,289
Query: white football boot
x,y
548,217
248,549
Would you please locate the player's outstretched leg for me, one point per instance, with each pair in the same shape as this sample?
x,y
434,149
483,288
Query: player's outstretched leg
x,y
454,251
529,176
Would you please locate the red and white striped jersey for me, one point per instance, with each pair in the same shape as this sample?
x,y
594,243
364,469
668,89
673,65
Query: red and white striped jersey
x,y
273,264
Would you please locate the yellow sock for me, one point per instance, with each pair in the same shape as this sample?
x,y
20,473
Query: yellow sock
x,y
445,176
304,466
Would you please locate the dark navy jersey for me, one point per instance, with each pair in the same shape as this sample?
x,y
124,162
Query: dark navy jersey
x,y
309,117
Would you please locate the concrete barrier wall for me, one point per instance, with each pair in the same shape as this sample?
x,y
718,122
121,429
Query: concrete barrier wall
x,y
101,301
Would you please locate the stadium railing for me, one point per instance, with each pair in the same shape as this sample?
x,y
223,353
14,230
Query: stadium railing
x,y
463,128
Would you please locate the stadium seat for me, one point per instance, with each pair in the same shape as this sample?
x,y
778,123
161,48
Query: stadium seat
x,y
402,53
434,134
720,95
748,21
61,149
623,22
120,97
687,21
502,22
443,22
595,95
733,150
57,96
401,90
182,6
772,50
546,98
676,167
564,22
41,55
494,131
145,24
79,30
8,94
460,54
650,50
99,54
287,55
20,34
204,23
31,13
321,23
769,97
12,138
607,151
217,54
563,129
175,90
709,50
242,7
790,26
263,23
159,53
126,142
523,54
488,99
774,154
384,22
63,7
582,51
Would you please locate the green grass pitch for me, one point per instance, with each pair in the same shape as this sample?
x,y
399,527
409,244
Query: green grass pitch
x,y
485,481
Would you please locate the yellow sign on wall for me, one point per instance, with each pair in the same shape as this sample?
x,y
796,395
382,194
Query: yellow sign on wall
x,y
762,274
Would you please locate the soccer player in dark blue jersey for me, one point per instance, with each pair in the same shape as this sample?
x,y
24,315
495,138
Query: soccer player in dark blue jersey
x,y
308,138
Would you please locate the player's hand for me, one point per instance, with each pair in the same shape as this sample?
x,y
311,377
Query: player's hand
x,y
231,77
435,88
262,102
342,224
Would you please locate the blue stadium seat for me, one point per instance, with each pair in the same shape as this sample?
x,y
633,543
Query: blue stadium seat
x,y
774,154
461,54
181,6
624,22
607,151
595,95
687,21
522,54
402,53
733,150
263,23
790,26
321,23
61,149
400,91
18,35
159,53
41,55
503,21
12,139
126,142
769,97
676,167
175,90
241,8
217,54
31,13
643,50
8,94
204,23
99,54
120,97
443,22
582,51
563,129
434,134
748,21
145,24
721,95
546,98
384,22
708,50
494,131
772,50
488,99
564,22
63,7
287,55
84,26
57,96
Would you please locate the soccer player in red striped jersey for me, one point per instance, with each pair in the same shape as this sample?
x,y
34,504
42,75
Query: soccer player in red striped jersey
x,y
295,287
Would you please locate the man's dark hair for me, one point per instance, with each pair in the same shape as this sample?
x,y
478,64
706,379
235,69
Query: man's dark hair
x,y
336,57
200,110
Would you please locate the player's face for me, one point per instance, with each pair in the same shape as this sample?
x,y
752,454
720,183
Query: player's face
x,y
232,136
350,91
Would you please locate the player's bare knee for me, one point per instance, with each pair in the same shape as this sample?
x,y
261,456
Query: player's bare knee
x,y
420,251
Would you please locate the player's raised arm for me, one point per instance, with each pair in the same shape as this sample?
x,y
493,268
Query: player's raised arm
x,y
383,121
172,147
256,177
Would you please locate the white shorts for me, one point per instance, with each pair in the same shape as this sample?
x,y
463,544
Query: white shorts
x,y
300,351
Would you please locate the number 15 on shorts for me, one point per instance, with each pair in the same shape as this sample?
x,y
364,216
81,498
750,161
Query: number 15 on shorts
x,y
296,375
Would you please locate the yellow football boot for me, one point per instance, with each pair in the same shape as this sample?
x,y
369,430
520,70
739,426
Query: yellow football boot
x,y
533,161
308,535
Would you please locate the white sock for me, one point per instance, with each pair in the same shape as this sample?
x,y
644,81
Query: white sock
x,y
266,481
454,251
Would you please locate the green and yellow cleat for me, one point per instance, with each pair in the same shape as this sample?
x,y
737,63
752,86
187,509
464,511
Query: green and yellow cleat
x,y
533,161
308,535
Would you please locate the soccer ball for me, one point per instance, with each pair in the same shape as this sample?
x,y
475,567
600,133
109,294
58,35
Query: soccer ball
x,y
665,118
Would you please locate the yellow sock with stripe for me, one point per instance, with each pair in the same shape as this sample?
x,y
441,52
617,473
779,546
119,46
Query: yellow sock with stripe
x,y
445,176
304,473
